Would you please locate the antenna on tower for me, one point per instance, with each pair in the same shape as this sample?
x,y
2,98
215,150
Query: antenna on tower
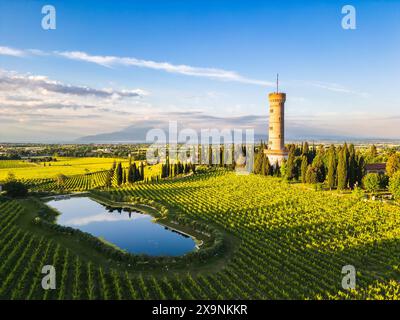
x,y
277,83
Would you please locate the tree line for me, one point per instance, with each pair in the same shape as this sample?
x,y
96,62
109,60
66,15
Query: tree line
x,y
340,167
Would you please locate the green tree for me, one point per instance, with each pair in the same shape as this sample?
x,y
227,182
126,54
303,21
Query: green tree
x,y
352,167
311,176
142,171
304,167
15,189
371,182
258,162
360,169
342,170
305,149
130,174
331,177
118,173
283,169
319,166
108,179
60,179
394,185
373,151
266,167
290,164
393,164
134,176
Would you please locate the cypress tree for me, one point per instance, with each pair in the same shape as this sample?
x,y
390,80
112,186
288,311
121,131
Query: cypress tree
x,y
130,173
141,171
331,167
258,162
118,173
305,149
304,167
134,173
265,166
342,170
352,167
290,165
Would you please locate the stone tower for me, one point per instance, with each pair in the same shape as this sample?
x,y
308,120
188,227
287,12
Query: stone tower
x,y
276,151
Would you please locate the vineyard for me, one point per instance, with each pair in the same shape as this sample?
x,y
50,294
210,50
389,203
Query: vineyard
x,y
291,243
12,164
63,165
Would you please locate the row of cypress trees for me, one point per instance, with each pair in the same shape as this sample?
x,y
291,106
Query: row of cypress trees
x,y
132,174
340,167
172,170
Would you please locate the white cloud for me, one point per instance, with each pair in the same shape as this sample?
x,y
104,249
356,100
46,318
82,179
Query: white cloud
x,y
109,61
7,51
213,73
11,81
336,88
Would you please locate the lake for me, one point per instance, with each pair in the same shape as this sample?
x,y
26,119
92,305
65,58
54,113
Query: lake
x,y
133,231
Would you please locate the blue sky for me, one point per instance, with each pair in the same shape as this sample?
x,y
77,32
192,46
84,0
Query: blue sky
x,y
214,61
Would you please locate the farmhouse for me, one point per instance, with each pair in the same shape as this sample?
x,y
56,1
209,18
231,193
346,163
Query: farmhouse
x,y
375,168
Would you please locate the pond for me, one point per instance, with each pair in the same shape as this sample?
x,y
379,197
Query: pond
x,y
133,231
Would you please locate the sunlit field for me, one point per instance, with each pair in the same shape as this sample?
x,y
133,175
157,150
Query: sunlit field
x,y
281,241
67,166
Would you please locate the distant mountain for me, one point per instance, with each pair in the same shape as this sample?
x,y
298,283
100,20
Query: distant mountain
x,y
131,134
137,134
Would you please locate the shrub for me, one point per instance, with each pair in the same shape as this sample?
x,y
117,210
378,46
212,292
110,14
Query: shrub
x,y
15,189
311,175
372,182
394,185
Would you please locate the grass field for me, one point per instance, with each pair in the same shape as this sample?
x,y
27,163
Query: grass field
x,y
284,242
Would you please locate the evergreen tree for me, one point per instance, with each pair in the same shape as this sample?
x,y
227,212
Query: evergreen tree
x,y
331,167
142,171
221,156
134,173
305,149
108,180
130,174
352,167
210,155
393,164
277,169
118,174
360,169
266,167
258,162
290,164
283,169
311,175
304,167
342,170
319,166
373,151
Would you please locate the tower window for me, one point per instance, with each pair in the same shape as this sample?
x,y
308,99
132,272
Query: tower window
x,y
271,128
271,110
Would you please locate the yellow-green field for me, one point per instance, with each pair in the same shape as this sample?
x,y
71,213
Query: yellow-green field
x,y
67,166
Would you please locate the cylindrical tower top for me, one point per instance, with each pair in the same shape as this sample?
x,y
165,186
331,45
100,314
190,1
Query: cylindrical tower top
x,y
277,96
